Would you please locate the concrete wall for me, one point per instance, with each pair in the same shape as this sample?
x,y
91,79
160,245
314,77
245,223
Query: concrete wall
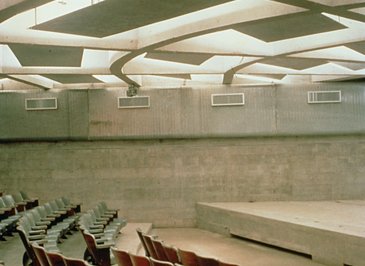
x,y
160,181
184,113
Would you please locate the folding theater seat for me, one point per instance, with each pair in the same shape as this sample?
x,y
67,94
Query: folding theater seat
x,y
139,260
97,230
75,262
206,261
100,212
171,253
188,258
75,206
105,209
121,257
21,202
55,259
99,252
159,249
32,201
155,262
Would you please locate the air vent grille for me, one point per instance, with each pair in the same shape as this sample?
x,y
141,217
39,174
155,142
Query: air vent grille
x,y
134,102
324,96
228,99
37,104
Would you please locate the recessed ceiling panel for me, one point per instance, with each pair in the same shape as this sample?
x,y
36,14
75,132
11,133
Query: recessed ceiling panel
x,y
337,2
350,65
11,8
294,63
46,55
357,46
114,16
288,26
185,58
72,78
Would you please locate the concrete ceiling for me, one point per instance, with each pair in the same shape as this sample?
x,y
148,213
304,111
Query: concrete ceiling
x,y
116,43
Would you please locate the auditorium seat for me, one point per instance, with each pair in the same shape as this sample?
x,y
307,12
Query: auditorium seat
x,y
149,245
144,245
171,253
75,262
139,260
40,254
105,209
158,247
97,230
100,252
32,201
55,259
10,202
188,258
155,262
122,257
205,261
19,200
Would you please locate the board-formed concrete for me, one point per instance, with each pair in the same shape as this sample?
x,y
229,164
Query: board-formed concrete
x,y
332,232
160,181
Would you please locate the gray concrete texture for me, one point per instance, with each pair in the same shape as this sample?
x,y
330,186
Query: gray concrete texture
x,y
160,181
183,113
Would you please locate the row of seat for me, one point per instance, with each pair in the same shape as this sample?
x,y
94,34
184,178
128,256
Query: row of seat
x,y
49,258
159,250
100,227
47,225
11,210
125,258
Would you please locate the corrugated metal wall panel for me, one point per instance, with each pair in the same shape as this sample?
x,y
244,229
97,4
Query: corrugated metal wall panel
x,y
78,112
256,117
297,117
186,112
17,123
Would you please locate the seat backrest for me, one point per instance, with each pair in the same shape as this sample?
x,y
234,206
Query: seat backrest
x,y
171,253
160,251
40,253
100,255
122,257
149,245
140,236
188,258
206,261
24,195
55,259
26,244
9,201
139,260
160,263
74,262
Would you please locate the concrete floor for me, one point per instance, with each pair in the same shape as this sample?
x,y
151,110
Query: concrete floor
x,y
202,242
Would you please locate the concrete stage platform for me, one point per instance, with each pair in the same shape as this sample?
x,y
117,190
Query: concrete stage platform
x,y
331,232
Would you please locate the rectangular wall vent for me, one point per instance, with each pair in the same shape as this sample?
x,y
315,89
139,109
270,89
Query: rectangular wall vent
x,y
324,96
134,102
35,104
228,99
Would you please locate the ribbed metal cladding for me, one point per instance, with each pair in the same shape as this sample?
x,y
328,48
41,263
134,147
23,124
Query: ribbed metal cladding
x,y
297,117
18,123
184,113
